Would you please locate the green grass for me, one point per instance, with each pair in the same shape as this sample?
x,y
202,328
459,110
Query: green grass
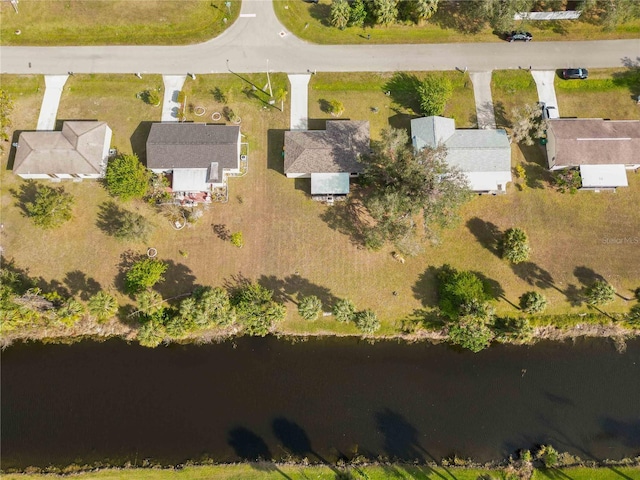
x,y
299,247
311,22
270,471
114,22
510,89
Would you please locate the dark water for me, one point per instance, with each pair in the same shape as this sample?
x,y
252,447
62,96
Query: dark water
x,y
322,399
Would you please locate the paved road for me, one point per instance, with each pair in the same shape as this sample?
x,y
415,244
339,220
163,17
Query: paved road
x,y
257,36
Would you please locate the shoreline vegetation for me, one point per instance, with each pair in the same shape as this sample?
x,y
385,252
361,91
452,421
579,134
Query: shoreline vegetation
x,y
565,466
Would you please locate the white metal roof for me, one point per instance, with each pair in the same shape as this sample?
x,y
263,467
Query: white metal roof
x,y
603,176
329,183
190,180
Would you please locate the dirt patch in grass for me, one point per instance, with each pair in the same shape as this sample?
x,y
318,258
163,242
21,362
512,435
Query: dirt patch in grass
x,y
115,22
311,21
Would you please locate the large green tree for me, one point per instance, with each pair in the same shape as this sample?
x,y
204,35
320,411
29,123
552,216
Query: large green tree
x,y
212,307
310,307
144,274
256,309
405,184
340,13
600,292
458,291
515,245
533,302
132,226
434,91
470,332
126,177
367,321
424,9
51,207
344,310
103,306
385,11
358,13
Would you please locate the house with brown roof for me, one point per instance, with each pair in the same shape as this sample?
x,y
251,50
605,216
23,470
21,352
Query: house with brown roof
x,y
79,151
602,149
329,157
197,157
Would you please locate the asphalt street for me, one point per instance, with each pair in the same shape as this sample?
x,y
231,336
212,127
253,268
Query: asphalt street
x,y
257,41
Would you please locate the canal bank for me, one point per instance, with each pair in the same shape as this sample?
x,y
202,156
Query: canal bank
x,y
321,399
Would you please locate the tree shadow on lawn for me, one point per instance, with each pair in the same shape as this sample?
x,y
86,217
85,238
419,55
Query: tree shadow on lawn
x,y
178,280
401,120
347,218
629,78
127,259
494,289
488,234
403,90
501,115
294,287
426,287
139,140
321,12
534,275
110,216
25,194
538,176
80,284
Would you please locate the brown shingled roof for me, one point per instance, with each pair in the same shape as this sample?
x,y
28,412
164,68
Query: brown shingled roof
x,y
594,141
333,150
77,149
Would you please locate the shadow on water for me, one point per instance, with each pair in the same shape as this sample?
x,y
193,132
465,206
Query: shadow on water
x,y
251,448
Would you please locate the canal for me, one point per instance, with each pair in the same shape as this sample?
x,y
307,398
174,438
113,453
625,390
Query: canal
x,y
323,399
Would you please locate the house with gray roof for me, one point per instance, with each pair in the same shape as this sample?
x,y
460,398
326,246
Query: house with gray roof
x,y
484,156
603,150
80,151
329,157
198,157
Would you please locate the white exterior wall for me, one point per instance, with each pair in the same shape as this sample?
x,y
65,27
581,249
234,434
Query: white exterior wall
x,y
34,176
298,175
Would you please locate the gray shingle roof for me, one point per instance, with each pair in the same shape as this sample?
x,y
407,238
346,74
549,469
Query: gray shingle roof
x,y
593,141
486,150
191,145
78,149
336,149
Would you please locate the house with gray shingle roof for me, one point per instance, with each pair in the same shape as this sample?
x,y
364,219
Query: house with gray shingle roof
x,y
602,149
79,151
329,157
484,156
198,156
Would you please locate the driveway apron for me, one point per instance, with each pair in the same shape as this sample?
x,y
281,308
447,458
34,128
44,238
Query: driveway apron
x,y
51,101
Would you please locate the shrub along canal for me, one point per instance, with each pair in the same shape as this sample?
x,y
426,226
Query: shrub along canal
x,y
322,399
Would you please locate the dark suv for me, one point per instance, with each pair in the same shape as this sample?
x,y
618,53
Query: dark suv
x,y
518,36
576,73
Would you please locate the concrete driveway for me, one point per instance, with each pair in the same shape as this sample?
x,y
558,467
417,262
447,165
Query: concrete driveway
x,y
170,106
546,90
484,101
299,119
51,101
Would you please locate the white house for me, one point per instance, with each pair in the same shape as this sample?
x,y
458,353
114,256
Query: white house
x,y
484,156
197,156
602,149
79,151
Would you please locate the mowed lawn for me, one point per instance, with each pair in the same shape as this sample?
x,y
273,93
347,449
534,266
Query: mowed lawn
x,y
114,22
290,247
271,471
311,21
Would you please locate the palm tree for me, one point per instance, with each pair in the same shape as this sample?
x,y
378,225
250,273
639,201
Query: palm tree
x,y
103,306
310,307
149,302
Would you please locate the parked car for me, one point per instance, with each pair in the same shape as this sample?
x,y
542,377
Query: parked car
x,y
545,111
577,73
519,36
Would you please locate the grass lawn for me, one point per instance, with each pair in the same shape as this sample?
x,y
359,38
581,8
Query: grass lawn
x,y
510,90
299,247
607,93
311,22
114,22
270,471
